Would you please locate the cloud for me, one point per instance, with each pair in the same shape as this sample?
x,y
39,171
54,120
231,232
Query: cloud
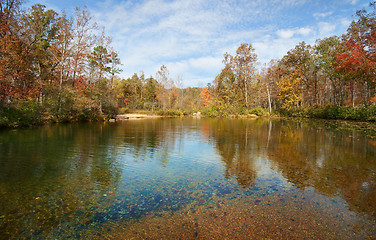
x,y
322,14
285,33
206,64
289,33
191,36
326,28
353,2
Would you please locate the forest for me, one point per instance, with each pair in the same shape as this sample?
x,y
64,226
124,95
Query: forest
x,y
57,68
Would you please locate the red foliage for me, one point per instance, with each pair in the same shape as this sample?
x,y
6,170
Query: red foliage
x,y
81,85
18,93
359,60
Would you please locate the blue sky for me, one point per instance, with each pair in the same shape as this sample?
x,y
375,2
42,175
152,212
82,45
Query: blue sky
x,y
191,36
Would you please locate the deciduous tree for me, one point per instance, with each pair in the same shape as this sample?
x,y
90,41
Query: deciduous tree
x,y
243,67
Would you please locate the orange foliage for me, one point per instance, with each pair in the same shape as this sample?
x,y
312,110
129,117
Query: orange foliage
x,y
206,98
372,142
373,100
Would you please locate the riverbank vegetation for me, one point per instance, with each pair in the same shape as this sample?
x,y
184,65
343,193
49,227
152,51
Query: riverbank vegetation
x,y
55,67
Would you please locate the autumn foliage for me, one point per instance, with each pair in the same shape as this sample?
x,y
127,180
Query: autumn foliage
x,y
53,67
61,68
205,96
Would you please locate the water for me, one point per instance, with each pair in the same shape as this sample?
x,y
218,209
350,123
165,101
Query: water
x,y
187,178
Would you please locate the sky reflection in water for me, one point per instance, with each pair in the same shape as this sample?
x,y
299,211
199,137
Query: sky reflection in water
x,y
187,178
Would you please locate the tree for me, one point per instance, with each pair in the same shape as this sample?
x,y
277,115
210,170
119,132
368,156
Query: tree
x,y
205,97
300,60
100,59
17,80
83,41
151,87
114,63
165,91
358,62
324,57
243,67
40,52
63,47
40,32
271,75
226,93
289,92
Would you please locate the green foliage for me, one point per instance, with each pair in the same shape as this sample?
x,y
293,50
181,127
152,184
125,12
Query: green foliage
x,y
92,114
219,108
22,114
170,113
109,110
210,112
223,111
257,111
334,112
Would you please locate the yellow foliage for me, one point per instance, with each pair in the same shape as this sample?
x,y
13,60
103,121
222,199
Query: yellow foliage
x,y
289,92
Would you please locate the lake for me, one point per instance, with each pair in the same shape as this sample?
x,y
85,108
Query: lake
x,y
187,178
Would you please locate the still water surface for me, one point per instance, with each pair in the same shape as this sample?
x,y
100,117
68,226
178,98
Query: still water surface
x,y
187,178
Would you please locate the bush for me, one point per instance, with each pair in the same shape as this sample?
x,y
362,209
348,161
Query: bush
x,y
109,111
334,112
170,112
210,112
257,111
89,114
22,114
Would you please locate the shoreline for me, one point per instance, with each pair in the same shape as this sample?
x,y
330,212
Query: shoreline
x,y
133,116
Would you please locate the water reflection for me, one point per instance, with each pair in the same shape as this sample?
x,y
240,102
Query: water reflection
x,y
64,180
51,176
335,164
238,145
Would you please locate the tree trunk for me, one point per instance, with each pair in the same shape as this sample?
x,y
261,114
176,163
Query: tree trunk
x,y
353,94
269,102
246,92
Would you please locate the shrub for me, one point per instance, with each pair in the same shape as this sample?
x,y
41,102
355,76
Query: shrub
x,y
170,112
257,111
334,112
22,114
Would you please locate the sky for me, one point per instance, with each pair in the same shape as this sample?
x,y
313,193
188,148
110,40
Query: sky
x,y
190,37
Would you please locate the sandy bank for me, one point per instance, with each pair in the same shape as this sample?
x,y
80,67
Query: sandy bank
x,y
135,116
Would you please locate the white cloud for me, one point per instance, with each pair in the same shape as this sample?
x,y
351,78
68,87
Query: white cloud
x,y
326,28
289,33
353,2
206,64
322,14
191,36
304,31
285,33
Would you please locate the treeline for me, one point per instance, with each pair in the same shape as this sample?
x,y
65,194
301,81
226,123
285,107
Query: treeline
x,y
162,94
334,78
53,66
